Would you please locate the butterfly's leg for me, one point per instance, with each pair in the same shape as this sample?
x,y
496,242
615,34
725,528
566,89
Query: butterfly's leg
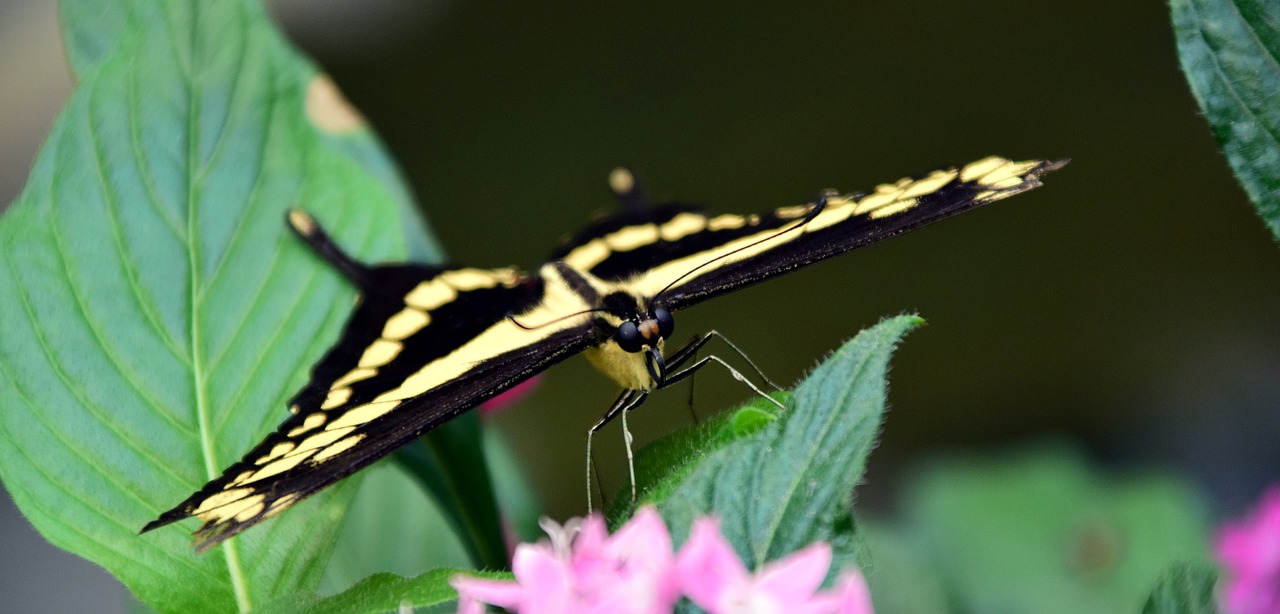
x,y
690,350
628,400
691,369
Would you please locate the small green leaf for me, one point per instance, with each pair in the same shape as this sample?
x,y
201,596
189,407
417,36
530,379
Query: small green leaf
x,y
158,315
1184,589
1040,531
799,471
1230,52
663,464
376,594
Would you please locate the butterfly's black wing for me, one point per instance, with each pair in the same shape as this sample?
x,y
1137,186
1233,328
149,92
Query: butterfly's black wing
x,y
424,345
681,255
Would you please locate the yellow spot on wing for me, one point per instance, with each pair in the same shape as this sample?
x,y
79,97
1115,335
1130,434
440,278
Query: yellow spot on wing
x,y
222,498
473,279
250,511
234,509
276,467
587,256
310,423
430,295
632,237
1010,174
338,448
682,226
320,440
875,201
728,222
379,353
279,450
362,414
930,184
353,376
893,209
973,170
281,504
405,323
785,213
336,397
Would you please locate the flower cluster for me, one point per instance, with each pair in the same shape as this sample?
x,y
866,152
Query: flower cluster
x,y
1250,554
583,569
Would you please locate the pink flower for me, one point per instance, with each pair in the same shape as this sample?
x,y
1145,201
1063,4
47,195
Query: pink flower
x,y
713,578
584,570
1250,553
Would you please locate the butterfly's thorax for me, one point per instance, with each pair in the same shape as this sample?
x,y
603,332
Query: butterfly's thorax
x,y
626,368
615,303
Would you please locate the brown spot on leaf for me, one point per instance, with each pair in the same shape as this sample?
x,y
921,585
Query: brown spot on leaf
x,y
328,109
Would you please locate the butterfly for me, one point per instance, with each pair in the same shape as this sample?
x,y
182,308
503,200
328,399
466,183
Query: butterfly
x,y
426,343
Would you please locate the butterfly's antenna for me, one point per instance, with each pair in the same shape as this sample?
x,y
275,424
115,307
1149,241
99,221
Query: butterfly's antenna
x,y
554,320
310,231
818,206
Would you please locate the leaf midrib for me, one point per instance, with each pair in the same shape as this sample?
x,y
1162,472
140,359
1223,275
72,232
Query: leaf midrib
x,y
229,549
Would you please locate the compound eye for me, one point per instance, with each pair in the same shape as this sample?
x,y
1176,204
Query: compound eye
x,y
629,338
666,323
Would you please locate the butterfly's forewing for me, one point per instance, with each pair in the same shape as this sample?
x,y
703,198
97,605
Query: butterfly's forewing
x,y
424,345
682,256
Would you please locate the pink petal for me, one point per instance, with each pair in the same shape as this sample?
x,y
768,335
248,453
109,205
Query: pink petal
x,y
855,597
472,591
795,578
643,541
645,566
544,578
1250,553
707,566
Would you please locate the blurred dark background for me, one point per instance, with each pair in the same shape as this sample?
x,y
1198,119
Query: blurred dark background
x,y
1130,306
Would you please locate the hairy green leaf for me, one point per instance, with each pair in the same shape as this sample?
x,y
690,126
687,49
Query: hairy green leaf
x,y
1230,52
378,593
158,314
1184,589
791,482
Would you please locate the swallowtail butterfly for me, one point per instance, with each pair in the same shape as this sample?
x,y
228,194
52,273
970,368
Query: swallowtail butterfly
x,y
427,343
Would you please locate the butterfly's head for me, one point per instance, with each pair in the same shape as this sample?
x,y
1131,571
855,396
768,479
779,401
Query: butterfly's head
x,y
647,329
631,334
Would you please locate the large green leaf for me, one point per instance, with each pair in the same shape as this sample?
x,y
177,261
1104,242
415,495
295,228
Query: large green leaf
x,y
157,314
791,482
1230,52
392,526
